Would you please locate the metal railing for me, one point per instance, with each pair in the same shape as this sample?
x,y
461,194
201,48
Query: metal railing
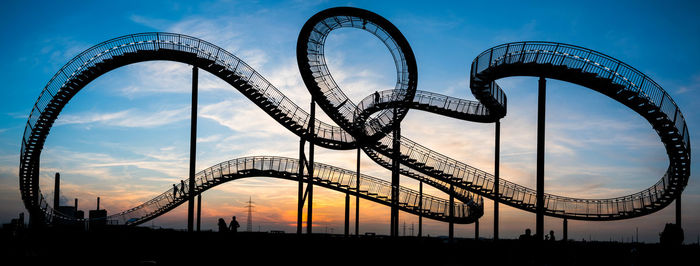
x,y
273,166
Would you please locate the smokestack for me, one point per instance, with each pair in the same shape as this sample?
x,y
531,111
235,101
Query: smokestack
x,y
76,205
57,191
98,203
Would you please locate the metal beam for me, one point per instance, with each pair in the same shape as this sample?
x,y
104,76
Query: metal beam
x,y
347,214
566,230
452,214
496,171
300,196
678,211
193,150
57,191
357,197
306,193
310,186
396,152
199,211
539,208
420,207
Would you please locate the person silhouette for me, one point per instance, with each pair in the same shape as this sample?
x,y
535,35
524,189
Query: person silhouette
x,y
234,225
551,236
182,187
376,97
222,226
526,236
174,190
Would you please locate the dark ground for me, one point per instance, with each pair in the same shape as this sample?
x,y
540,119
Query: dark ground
x,y
141,246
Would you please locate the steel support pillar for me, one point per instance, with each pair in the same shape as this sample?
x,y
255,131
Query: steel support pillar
x,y
193,150
541,98
347,214
396,153
199,212
357,198
57,191
310,188
496,182
36,218
565,232
678,211
420,207
300,196
452,214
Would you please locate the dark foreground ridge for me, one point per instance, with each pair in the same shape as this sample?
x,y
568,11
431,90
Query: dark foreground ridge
x,y
143,246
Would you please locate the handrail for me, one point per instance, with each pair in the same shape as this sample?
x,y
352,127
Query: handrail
x,y
282,167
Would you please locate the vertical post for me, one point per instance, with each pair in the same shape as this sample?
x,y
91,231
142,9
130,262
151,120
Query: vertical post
x,y
452,214
566,229
57,192
396,152
193,150
541,98
310,186
357,198
36,219
347,214
496,182
420,207
300,196
678,211
199,212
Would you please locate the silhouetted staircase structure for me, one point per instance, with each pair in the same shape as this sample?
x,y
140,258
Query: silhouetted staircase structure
x,y
373,118
371,188
565,62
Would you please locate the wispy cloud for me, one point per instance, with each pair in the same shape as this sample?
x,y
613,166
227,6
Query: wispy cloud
x,y
127,118
693,86
212,138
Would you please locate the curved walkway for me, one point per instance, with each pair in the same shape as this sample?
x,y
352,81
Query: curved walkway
x,y
359,128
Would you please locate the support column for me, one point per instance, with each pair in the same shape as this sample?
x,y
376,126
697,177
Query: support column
x,y
57,191
396,153
420,207
496,182
452,214
357,198
310,186
199,212
300,196
541,98
347,214
566,230
36,216
193,150
678,211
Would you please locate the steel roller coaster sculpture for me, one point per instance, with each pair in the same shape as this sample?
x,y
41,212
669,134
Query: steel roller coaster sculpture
x,y
373,123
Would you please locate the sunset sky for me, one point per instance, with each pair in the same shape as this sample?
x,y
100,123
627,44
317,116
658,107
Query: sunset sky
x,y
125,136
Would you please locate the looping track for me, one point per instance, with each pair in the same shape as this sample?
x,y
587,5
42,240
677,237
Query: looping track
x,y
367,123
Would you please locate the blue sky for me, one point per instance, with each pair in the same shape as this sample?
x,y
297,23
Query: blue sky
x,y
125,136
